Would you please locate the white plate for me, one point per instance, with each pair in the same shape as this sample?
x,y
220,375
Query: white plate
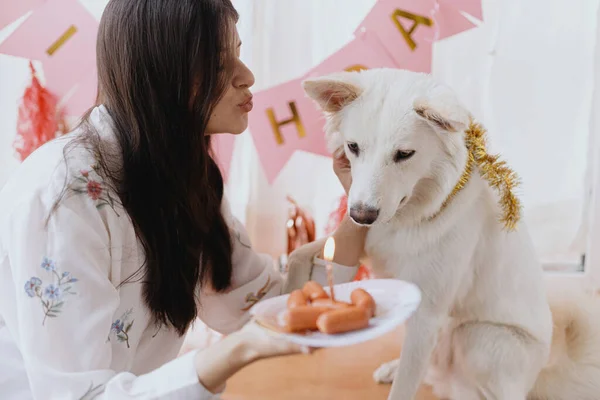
x,y
396,301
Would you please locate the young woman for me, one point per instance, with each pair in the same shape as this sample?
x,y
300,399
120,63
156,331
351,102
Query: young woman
x,y
116,237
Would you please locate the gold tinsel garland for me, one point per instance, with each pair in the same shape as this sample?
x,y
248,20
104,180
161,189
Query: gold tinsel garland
x,y
496,172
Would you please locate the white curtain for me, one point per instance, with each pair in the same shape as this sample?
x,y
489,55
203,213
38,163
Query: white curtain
x,y
527,73
592,208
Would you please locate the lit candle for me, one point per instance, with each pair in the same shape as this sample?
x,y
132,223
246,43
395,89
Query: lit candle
x,y
328,253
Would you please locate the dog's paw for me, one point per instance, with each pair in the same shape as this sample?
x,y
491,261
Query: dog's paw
x,y
385,373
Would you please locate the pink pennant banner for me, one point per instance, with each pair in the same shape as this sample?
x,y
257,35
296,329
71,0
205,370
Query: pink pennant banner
x,y
471,7
280,124
12,10
364,52
62,35
84,96
222,145
449,21
396,34
406,30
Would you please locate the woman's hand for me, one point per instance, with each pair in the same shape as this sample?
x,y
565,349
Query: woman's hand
x,y
341,167
260,344
217,363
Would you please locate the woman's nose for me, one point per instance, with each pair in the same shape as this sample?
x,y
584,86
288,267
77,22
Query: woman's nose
x,y
244,78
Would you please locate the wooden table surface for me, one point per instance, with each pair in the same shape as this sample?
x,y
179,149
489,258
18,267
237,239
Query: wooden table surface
x,y
327,374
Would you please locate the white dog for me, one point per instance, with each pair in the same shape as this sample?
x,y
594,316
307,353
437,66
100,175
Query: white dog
x,y
484,325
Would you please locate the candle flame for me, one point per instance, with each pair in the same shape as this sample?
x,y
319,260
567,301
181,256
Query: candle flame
x,y
329,249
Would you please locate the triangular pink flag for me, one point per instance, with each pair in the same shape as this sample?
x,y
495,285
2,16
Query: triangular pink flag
x,y
12,10
405,29
62,35
222,145
364,52
450,21
282,122
471,7
84,96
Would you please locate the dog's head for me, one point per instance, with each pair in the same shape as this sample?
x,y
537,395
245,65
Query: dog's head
x,y
403,135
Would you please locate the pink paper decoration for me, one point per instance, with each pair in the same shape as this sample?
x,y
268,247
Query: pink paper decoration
x,y
62,35
471,7
449,21
222,145
12,10
84,96
277,140
405,29
364,52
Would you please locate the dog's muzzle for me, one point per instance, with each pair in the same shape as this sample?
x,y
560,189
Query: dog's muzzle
x,y
363,215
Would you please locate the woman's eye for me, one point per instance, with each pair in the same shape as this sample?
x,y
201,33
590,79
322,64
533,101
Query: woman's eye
x,y
402,155
353,147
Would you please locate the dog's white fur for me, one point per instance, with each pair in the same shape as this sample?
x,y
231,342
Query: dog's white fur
x,y
484,326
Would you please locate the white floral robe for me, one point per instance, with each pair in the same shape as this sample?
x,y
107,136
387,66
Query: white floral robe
x,y
67,329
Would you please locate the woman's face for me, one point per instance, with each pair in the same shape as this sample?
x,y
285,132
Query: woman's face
x,y
230,115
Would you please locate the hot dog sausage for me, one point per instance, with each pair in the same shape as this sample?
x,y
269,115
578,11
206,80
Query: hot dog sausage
x,y
343,320
314,291
330,303
296,299
303,318
362,298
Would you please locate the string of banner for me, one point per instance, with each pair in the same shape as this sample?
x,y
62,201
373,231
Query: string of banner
x,y
61,34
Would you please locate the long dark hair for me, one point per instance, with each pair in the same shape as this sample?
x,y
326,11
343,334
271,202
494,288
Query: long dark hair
x,y
162,67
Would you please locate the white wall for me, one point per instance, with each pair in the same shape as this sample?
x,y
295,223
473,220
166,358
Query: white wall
x,y
526,73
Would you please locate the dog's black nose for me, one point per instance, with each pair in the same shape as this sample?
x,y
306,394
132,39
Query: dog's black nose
x,y
363,215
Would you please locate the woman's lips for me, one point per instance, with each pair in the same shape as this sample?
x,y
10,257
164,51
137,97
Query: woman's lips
x,y
247,105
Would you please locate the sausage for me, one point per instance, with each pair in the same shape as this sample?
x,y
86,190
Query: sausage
x,y
296,299
303,318
343,320
331,303
362,298
314,291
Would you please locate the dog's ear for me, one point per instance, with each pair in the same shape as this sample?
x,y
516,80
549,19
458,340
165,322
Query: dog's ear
x,y
333,92
443,112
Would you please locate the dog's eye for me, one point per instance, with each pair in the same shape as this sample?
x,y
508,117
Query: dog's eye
x,y
353,147
402,155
